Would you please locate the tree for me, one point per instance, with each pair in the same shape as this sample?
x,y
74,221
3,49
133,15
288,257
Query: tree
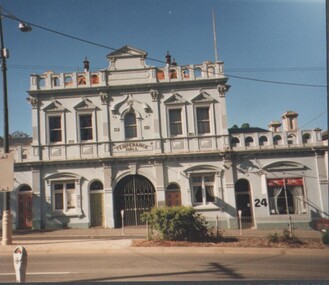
x,y
245,126
19,134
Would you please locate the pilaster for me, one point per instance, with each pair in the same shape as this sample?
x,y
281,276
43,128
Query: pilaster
x,y
108,197
38,211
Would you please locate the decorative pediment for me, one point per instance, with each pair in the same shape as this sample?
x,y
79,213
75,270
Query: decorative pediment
x,y
54,106
63,176
130,102
284,166
202,169
175,99
203,97
85,104
127,51
127,58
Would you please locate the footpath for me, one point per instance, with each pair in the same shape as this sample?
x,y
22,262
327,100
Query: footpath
x,y
84,241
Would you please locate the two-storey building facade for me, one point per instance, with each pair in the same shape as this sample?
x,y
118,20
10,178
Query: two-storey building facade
x,y
110,145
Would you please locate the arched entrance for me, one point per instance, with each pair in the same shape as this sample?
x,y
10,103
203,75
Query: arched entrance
x,y
173,195
25,216
96,204
243,202
133,195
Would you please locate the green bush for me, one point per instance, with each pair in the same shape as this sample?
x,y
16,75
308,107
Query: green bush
x,y
285,237
177,224
273,238
325,238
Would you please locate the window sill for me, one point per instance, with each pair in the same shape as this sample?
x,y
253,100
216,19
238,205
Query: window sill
x,y
209,206
69,213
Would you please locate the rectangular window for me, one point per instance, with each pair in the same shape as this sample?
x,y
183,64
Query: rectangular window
x,y
55,129
286,196
130,126
86,127
203,122
175,122
203,189
59,199
64,196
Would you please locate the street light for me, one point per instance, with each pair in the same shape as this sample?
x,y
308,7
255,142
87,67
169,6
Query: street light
x,y
6,217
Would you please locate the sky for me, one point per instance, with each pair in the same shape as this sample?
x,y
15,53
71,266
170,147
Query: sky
x,y
267,47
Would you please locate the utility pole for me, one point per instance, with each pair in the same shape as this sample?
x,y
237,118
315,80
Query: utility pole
x,y
6,217
4,54
327,54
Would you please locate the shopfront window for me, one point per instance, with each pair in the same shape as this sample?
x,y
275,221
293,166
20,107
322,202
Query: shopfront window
x,y
286,196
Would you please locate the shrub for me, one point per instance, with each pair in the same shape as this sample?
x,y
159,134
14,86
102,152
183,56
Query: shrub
x,y
177,223
273,238
325,238
286,237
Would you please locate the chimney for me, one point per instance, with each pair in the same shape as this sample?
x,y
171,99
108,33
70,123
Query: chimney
x,y
274,126
168,58
289,121
86,65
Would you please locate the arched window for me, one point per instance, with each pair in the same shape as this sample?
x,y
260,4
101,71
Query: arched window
x,y
25,188
81,80
185,73
96,186
173,74
130,125
211,72
306,138
56,81
173,195
263,140
248,141
235,142
94,79
160,75
42,82
291,139
277,140
197,72
68,81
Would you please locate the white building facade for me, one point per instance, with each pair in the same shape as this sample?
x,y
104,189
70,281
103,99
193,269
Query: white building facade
x,y
131,137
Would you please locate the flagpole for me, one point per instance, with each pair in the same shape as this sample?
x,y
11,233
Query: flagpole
x,y
215,39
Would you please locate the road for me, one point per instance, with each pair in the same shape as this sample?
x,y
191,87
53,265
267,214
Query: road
x,y
194,264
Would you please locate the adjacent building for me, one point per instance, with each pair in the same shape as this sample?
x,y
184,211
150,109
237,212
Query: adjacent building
x,y
110,145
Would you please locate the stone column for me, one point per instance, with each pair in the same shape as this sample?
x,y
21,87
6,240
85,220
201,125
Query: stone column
x,y
36,143
158,144
106,126
160,189
323,182
38,210
108,197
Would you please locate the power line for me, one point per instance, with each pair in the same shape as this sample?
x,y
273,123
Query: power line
x,y
12,17
278,69
275,82
269,69
312,120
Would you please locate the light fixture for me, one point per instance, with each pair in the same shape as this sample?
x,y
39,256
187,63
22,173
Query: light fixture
x,y
24,27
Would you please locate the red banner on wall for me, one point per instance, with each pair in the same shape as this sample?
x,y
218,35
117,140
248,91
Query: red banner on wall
x,y
289,182
275,182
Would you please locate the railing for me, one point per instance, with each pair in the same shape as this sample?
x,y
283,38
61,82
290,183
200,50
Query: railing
x,y
275,223
273,140
50,80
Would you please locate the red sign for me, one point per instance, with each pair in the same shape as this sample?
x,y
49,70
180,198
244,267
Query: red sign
x,y
289,182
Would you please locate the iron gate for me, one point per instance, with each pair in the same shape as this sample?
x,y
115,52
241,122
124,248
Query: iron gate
x,y
135,195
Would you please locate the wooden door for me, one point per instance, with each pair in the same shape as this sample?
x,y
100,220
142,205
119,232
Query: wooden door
x,y
25,215
96,209
173,198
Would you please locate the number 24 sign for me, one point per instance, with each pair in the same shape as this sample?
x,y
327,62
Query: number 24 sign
x,y
260,202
